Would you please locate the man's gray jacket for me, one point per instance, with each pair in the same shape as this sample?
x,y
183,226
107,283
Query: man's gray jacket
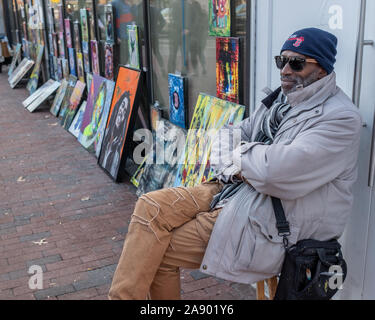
x,y
311,166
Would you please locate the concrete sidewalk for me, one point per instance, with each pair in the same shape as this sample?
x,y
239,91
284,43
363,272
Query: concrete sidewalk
x,y
59,210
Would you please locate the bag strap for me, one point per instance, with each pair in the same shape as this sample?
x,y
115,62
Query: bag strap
x,y
282,224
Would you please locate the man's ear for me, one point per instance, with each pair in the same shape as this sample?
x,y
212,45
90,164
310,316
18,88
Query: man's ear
x,y
322,73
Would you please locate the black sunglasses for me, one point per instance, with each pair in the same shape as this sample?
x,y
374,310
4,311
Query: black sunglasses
x,y
295,63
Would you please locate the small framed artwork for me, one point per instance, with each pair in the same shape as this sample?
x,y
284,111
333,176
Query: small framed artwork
x,y
227,69
178,100
72,61
219,16
80,67
108,66
95,57
120,124
86,56
68,33
84,24
133,45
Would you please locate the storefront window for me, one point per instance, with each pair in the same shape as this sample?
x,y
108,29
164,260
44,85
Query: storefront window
x,y
181,45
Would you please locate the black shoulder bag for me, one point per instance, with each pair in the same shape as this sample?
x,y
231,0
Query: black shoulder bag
x,y
312,269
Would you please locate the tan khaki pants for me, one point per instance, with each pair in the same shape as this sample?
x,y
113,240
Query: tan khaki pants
x,y
169,229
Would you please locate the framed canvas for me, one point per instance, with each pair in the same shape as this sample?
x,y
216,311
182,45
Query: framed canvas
x,y
75,127
95,118
219,16
108,67
65,68
227,69
84,24
37,93
95,57
121,119
133,45
55,108
72,108
109,23
21,70
178,100
72,61
161,172
80,67
68,92
15,59
210,115
61,42
77,36
86,56
32,85
43,96
68,33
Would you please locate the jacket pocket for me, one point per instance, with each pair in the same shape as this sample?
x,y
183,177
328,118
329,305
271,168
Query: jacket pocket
x,y
244,250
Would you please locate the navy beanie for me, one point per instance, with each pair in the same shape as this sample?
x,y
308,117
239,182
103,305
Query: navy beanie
x,y
315,43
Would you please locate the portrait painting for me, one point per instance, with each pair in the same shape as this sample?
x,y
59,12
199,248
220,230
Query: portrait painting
x,y
99,99
75,126
56,104
108,65
177,100
121,118
95,57
33,82
74,102
133,45
210,115
227,69
219,14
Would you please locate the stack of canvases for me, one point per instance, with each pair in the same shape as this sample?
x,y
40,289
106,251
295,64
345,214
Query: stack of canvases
x,y
101,123
190,165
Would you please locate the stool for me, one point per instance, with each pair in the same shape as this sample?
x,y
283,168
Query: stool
x,y
272,285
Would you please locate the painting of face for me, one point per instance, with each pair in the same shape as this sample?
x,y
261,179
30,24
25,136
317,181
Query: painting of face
x,y
120,125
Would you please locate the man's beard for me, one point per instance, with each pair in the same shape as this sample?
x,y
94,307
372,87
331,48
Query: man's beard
x,y
300,82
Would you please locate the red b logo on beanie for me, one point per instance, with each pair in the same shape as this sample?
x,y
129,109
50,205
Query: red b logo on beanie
x,y
298,40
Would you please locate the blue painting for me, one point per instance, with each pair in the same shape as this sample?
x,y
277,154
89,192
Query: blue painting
x,y
72,61
177,100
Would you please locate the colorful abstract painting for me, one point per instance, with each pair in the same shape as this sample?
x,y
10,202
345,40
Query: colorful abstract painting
x,y
219,18
95,57
99,99
75,127
32,85
210,115
120,122
177,100
161,171
68,92
55,108
133,45
227,69
108,66
86,56
72,108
